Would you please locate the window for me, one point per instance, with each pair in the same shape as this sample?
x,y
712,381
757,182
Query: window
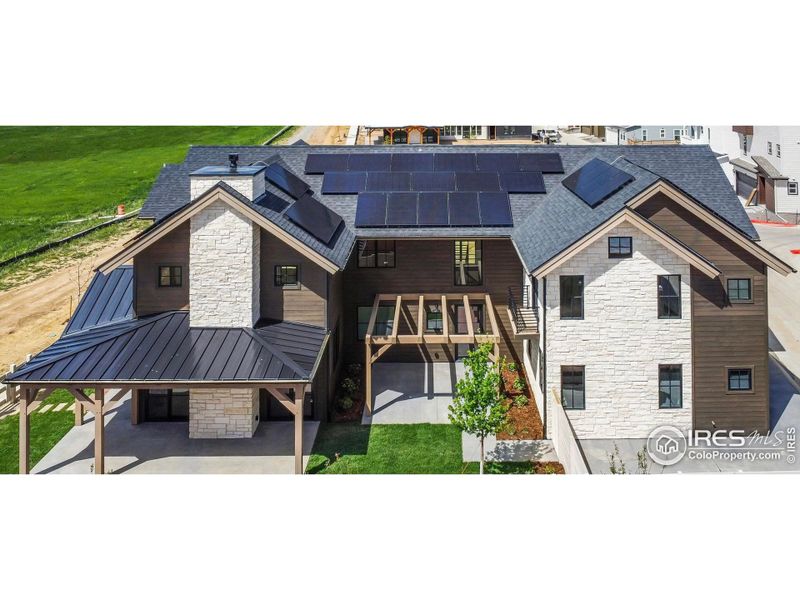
x,y
644,135
778,150
669,296
286,276
170,276
571,291
744,146
376,254
670,386
676,134
662,133
620,247
384,320
769,148
433,318
573,388
468,263
791,188
740,290
740,380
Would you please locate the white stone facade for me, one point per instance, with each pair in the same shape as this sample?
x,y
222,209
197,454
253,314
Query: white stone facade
x,y
620,341
224,259
247,185
223,412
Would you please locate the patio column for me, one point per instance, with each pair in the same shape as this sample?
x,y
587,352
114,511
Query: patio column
x,y
99,431
24,432
79,412
299,397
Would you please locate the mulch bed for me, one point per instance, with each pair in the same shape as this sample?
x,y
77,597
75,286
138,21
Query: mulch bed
x,y
549,468
524,422
348,416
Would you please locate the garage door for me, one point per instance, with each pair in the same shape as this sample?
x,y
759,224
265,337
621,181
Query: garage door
x,y
745,185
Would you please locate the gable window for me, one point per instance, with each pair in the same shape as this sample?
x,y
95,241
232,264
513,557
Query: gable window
x,y
669,296
791,188
740,290
376,254
170,276
384,320
662,133
433,318
670,379
676,135
468,263
287,276
571,292
778,150
769,148
573,387
740,380
620,247
644,135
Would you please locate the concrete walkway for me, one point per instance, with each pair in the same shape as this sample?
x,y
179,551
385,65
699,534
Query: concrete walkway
x,y
166,448
507,450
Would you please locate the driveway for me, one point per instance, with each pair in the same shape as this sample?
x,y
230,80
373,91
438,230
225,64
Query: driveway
x,y
150,448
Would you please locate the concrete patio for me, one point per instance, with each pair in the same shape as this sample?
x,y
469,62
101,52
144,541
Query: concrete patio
x,y
150,448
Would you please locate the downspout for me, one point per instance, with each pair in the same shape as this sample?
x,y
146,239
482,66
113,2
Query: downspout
x,y
543,341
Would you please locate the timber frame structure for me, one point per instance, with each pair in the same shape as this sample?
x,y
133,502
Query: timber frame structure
x,y
384,342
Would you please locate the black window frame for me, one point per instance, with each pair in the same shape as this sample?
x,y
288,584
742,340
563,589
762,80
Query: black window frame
x,y
566,311
729,371
672,304
431,309
385,248
736,298
382,327
279,277
568,393
792,185
171,277
458,255
618,251
671,386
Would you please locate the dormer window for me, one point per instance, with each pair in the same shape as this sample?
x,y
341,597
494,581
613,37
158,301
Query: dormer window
x,y
170,276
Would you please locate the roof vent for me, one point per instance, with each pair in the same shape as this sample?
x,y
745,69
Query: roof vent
x,y
234,160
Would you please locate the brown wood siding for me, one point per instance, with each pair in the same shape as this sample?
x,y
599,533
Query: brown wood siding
x,y
303,305
171,250
723,334
426,267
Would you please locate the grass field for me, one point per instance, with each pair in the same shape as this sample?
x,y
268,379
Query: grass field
x,y
49,175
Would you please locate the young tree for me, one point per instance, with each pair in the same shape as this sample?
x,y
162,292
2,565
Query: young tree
x,y
477,407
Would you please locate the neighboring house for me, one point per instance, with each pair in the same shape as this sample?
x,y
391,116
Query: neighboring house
x,y
627,280
656,134
763,165
598,131
426,134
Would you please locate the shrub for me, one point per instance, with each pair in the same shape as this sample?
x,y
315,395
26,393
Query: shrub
x,y
520,401
353,370
346,403
512,367
349,386
519,384
549,470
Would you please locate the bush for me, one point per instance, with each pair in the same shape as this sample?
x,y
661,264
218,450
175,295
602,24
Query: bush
x,y
346,403
519,384
353,370
349,386
520,401
512,367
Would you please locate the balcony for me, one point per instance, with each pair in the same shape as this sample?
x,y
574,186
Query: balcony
x,y
522,313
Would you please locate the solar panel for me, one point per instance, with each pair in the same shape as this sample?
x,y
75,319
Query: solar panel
x,y
495,209
477,182
454,162
522,182
433,182
595,181
317,164
497,161
401,209
272,202
378,181
287,181
371,210
544,162
463,209
316,218
370,162
432,211
344,183
412,162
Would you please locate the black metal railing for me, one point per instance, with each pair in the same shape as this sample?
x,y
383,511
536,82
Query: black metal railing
x,y
524,314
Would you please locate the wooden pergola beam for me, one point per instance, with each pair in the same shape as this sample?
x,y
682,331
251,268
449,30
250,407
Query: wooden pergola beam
x,y
24,432
468,317
495,328
396,322
445,319
420,317
296,408
99,433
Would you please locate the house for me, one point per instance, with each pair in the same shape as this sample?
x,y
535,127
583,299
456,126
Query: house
x,y
425,134
763,165
656,134
627,280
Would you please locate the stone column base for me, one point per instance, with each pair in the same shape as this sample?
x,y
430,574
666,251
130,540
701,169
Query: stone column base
x,y
223,412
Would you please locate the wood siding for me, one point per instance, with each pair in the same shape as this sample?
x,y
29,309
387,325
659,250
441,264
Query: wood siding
x,y
426,267
723,334
171,250
307,304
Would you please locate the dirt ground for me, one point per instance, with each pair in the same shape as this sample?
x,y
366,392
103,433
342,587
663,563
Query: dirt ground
x,y
320,135
33,315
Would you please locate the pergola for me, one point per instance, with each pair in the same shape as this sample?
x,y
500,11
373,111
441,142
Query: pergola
x,y
420,336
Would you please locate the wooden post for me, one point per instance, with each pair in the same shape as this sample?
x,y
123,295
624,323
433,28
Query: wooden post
x,y
99,449
134,407
78,413
299,397
24,433
368,376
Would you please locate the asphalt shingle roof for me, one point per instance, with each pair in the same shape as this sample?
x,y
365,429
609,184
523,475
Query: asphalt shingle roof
x,y
544,224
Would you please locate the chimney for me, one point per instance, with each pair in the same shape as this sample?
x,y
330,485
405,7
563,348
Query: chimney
x,y
247,180
234,160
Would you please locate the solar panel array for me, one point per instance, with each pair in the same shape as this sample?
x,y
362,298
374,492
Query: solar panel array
x,y
316,218
498,162
433,209
595,181
354,182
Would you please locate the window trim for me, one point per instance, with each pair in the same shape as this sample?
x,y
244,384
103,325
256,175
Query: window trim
x,y
377,320
429,312
680,383
479,262
778,150
561,299
769,148
644,134
789,186
729,391
583,373
620,237
727,290
169,285
276,269
662,133
376,265
680,297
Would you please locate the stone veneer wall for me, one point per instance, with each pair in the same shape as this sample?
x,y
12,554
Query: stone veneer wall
x,y
224,259
248,186
223,412
621,341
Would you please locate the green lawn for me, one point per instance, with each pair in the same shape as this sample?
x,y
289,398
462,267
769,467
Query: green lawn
x,y
414,449
54,174
46,430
